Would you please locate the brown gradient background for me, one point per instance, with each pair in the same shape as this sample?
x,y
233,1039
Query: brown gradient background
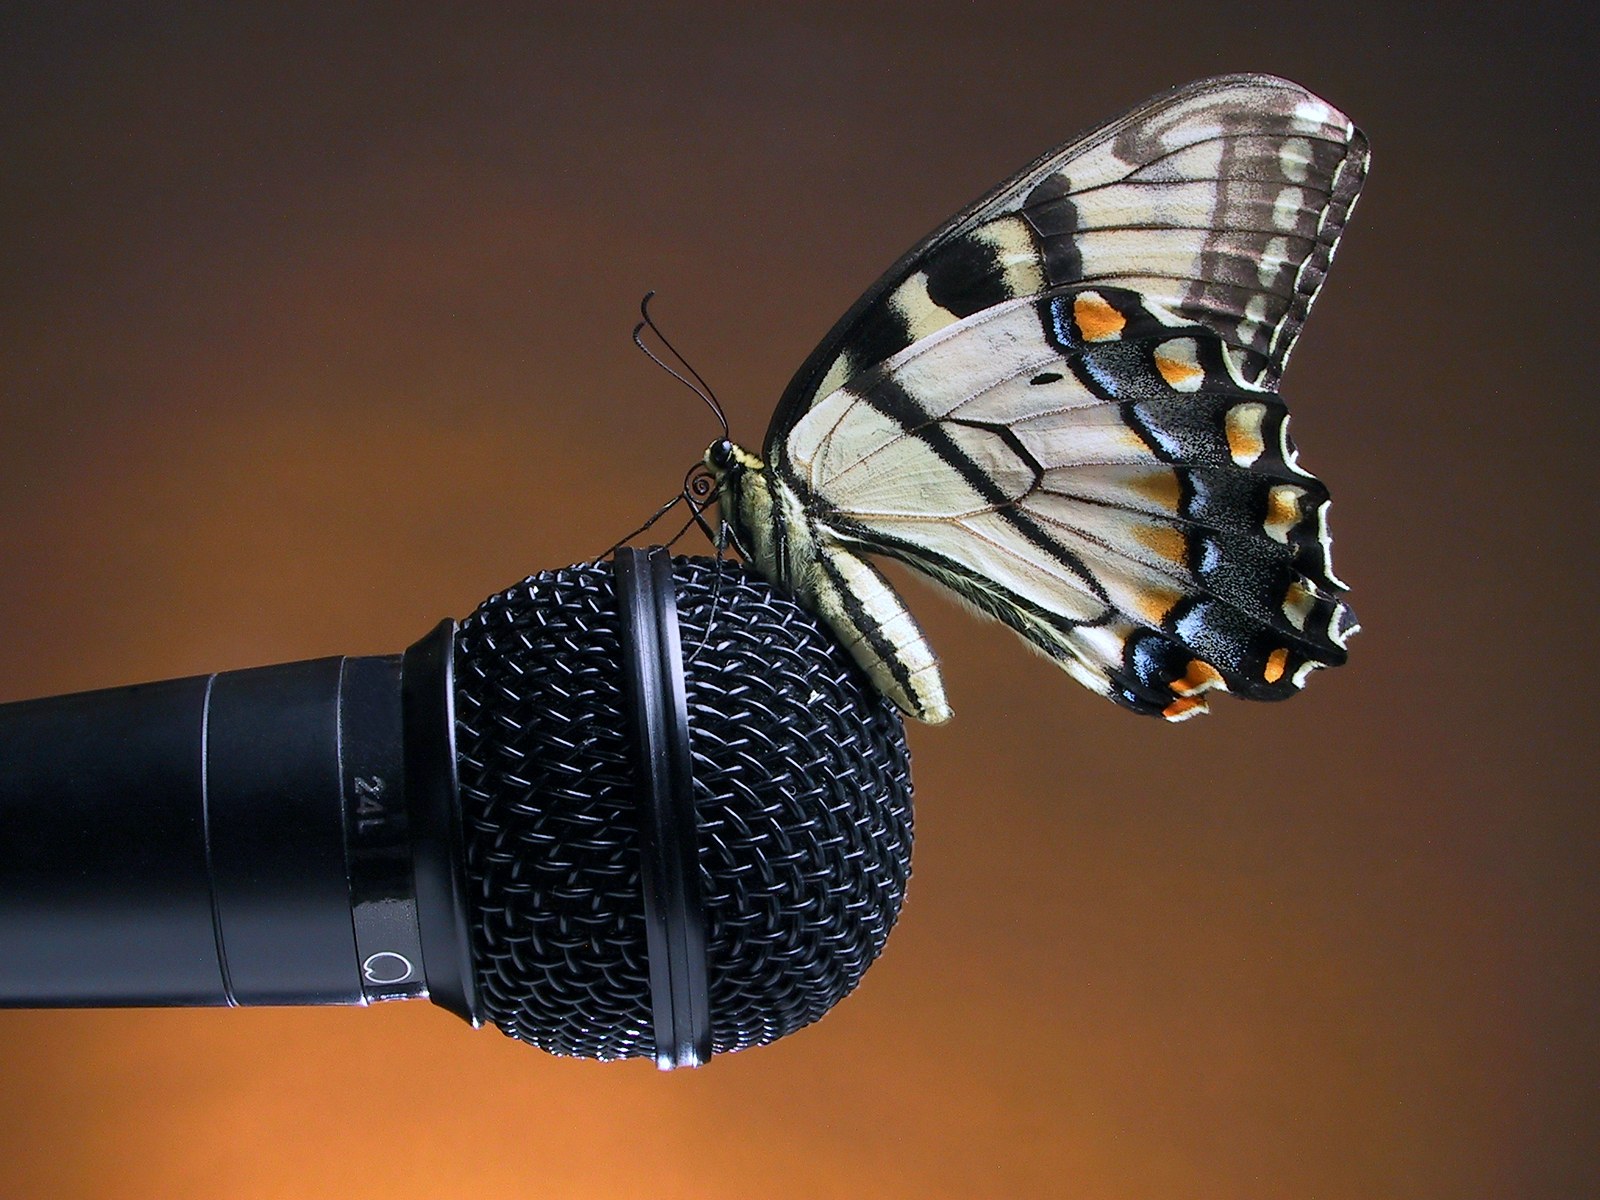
x,y
315,330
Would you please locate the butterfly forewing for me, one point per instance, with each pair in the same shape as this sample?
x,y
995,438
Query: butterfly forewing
x,y
1222,201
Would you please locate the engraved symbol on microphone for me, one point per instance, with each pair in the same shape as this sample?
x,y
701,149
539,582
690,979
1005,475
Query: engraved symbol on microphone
x,y
386,967
369,802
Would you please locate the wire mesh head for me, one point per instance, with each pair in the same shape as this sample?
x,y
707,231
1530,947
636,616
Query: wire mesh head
x,y
802,790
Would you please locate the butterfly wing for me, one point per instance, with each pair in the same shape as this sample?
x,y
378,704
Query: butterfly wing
x,y
1062,405
1096,472
1222,201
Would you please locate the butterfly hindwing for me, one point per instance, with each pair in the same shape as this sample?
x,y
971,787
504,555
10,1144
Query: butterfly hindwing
x,y
1092,471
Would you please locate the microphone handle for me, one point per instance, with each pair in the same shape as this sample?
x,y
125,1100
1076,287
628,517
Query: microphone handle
x,y
278,835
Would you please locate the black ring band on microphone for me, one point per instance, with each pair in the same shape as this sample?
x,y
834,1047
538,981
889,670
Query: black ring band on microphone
x,y
428,711
675,924
377,830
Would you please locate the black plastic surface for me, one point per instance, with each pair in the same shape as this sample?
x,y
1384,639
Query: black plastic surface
x,y
675,926
223,839
377,825
428,694
276,832
104,894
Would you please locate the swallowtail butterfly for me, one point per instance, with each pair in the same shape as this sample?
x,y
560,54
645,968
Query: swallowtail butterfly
x,y
1062,406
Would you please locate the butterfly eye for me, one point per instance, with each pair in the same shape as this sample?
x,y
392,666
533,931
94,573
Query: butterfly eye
x,y
720,456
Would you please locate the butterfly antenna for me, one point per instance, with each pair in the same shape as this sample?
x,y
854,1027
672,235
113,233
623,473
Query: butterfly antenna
x,y
699,387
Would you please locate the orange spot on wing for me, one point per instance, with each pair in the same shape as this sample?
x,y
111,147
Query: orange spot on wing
x,y
1277,662
1183,707
1297,604
1131,439
1200,676
1243,427
1160,486
1166,541
1177,372
1096,319
1283,506
1155,603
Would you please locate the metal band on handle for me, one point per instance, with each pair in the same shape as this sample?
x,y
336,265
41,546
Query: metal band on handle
x,y
668,831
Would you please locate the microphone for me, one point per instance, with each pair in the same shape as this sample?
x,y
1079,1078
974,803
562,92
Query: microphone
x,y
638,808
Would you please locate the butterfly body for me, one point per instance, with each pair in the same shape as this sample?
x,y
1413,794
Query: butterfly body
x,y
797,545
1062,407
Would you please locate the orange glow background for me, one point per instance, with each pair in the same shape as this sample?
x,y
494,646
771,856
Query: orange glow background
x,y
315,330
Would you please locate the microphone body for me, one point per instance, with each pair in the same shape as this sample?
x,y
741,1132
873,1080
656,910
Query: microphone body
x,y
232,839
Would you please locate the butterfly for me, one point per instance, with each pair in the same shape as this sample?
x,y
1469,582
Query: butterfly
x,y
1062,407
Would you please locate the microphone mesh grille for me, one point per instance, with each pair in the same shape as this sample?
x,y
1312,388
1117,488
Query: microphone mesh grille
x,y
802,789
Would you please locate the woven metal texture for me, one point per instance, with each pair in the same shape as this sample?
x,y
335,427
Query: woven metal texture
x,y
802,791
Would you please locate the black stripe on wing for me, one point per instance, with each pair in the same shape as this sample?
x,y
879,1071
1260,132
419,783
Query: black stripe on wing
x,y
883,647
889,398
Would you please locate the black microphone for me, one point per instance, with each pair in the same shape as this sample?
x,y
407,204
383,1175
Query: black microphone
x,y
638,808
